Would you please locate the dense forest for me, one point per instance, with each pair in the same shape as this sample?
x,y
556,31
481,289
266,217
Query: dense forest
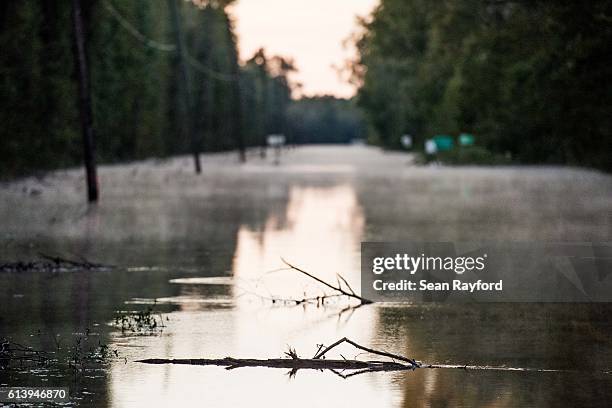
x,y
531,79
325,119
140,103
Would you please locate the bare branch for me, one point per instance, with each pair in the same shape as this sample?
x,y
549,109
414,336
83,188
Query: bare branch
x,y
345,282
329,285
369,350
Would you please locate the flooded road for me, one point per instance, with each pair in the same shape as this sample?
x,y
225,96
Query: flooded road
x,y
206,249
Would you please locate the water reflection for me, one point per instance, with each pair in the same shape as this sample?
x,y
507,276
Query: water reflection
x,y
321,232
321,229
567,337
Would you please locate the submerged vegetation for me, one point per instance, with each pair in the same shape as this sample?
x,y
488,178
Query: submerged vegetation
x,y
15,354
83,354
85,351
146,321
467,155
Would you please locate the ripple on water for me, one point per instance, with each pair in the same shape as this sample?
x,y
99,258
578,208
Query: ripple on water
x,y
209,280
180,300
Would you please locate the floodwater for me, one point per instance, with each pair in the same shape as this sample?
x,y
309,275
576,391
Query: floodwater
x,y
205,250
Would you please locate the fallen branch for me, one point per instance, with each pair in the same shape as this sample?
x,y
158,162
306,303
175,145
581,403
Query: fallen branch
x,y
338,288
338,367
83,263
290,363
51,264
294,362
11,352
318,300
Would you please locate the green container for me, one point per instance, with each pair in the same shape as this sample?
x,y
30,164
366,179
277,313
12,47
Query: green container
x,y
443,142
466,139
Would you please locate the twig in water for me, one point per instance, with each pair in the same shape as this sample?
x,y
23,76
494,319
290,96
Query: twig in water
x,y
292,353
345,282
321,353
339,289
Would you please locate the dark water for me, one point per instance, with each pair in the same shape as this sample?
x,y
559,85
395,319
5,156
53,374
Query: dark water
x,y
169,232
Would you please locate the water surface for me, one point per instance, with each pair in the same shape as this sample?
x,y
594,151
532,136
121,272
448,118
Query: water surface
x,y
206,249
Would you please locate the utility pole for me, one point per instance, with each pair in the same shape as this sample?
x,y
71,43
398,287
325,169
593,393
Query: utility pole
x,y
176,21
86,115
237,93
238,100
264,110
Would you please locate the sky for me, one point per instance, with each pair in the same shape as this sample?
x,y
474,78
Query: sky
x,y
312,32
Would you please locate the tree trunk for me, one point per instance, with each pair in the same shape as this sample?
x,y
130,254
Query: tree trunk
x,y
176,22
84,102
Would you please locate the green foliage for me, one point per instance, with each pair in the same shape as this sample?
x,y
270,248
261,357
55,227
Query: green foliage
x,y
138,98
528,78
128,82
472,155
33,86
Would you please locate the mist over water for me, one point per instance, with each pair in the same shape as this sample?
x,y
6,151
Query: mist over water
x,y
200,246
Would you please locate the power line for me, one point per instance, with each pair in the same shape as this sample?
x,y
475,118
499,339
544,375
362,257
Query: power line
x,y
137,34
207,71
156,45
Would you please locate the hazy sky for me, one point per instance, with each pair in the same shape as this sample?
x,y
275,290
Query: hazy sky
x,y
312,32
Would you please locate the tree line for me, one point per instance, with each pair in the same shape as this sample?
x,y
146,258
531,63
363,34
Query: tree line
x,y
531,79
138,98
325,119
